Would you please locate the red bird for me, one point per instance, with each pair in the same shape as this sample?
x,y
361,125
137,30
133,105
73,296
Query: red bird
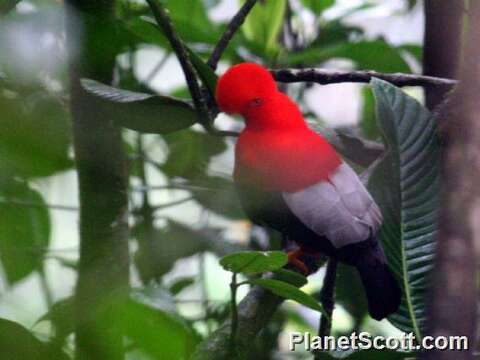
x,y
290,179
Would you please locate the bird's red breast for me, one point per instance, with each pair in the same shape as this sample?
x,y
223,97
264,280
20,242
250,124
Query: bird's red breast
x,y
278,152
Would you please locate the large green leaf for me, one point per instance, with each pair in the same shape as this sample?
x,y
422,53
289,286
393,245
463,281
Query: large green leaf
x,y
375,55
262,26
158,333
145,113
24,230
191,21
406,185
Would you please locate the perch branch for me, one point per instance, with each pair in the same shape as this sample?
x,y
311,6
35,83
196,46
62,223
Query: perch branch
x,y
165,23
325,77
232,28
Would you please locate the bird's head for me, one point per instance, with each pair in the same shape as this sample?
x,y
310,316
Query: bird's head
x,y
244,86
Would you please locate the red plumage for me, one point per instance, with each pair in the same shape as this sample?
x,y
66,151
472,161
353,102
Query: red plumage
x,y
276,151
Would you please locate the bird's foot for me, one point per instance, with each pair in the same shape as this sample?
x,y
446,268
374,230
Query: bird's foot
x,y
304,262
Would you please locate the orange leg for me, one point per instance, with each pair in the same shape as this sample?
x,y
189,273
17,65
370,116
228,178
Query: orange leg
x,y
294,258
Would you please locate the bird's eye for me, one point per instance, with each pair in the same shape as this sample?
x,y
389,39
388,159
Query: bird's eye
x,y
256,102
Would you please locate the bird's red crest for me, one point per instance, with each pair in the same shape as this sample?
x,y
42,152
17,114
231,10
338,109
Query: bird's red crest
x,y
243,84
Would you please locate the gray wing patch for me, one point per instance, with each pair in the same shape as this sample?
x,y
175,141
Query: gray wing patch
x,y
340,209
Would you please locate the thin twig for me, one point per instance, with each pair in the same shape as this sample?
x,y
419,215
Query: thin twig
x,y
325,77
233,312
327,297
173,203
204,291
165,23
232,28
151,75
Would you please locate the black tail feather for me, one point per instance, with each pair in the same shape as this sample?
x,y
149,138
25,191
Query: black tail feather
x,y
383,293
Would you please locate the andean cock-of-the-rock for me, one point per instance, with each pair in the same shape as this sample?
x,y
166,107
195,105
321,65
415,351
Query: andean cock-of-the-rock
x,y
291,179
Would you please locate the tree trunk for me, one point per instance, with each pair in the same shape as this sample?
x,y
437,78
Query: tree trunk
x,y
103,274
442,44
454,296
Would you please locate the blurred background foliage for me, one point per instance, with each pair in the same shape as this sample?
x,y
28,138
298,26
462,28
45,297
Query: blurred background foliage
x,y
184,214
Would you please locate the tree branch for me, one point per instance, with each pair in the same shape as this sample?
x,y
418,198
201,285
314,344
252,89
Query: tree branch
x,y
325,77
165,23
232,28
254,312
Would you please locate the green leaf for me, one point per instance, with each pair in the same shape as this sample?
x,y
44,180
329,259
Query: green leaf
x,y
205,72
34,136
318,6
160,334
262,26
17,343
254,262
375,55
336,32
413,49
145,113
24,230
290,292
291,277
191,21
159,249
148,31
406,185
61,315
